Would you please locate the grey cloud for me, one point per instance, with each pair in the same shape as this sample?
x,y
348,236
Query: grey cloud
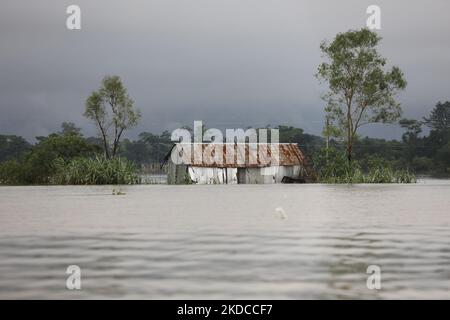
x,y
229,63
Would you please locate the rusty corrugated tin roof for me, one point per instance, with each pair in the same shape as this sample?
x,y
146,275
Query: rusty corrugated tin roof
x,y
245,155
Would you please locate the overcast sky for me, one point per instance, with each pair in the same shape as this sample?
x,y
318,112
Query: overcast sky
x,y
230,63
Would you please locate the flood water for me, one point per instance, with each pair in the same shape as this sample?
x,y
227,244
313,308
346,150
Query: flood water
x,y
219,241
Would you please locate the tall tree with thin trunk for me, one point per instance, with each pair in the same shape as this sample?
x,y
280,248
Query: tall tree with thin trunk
x,y
111,108
439,119
360,90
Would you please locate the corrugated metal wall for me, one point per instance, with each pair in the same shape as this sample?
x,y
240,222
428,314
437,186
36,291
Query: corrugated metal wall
x,y
202,175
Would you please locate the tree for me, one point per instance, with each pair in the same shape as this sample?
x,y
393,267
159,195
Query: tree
x,y
360,90
38,165
330,130
111,108
439,123
442,159
13,147
411,137
69,128
308,143
438,141
413,129
439,119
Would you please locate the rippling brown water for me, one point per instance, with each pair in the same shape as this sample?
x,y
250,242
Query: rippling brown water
x,y
241,241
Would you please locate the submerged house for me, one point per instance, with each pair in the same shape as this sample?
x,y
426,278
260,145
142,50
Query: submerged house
x,y
238,163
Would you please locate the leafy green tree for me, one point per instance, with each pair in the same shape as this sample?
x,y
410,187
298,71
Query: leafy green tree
x,y
69,128
149,148
13,147
442,159
11,172
37,166
439,119
307,142
413,129
439,123
111,108
422,165
360,90
411,138
39,163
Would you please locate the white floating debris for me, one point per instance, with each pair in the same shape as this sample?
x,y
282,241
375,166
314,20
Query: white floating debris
x,y
281,213
118,193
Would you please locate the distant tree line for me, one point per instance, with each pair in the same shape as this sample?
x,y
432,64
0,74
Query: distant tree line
x,y
24,163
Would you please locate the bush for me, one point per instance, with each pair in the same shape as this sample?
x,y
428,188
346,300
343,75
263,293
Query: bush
x,y
404,176
422,164
38,164
11,172
98,170
332,166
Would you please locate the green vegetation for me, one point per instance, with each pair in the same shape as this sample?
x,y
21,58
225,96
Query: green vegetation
x,y
360,90
37,165
11,173
374,160
98,170
332,166
65,157
414,153
148,148
112,111
13,147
